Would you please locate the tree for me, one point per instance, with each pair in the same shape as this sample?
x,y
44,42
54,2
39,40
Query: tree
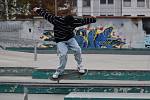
x,y
25,7
66,7
2,9
22,9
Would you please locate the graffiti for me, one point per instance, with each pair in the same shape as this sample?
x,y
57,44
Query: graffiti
x,y
47,36
147,41
102,37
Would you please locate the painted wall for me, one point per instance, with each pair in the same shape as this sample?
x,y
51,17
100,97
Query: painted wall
x,y
105,33
135,11
22,33
112,33
117,9
97,9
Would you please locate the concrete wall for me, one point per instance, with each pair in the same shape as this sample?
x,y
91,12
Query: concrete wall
x,y
134,10
105,33
116,9
113,33
22,33
97,9
110,9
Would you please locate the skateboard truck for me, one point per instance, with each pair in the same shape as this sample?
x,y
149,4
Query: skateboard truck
x,y
57,79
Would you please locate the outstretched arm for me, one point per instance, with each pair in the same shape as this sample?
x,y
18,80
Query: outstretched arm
x,y
45,14
84,21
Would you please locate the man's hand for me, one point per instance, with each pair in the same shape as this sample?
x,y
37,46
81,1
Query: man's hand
x,y
35,9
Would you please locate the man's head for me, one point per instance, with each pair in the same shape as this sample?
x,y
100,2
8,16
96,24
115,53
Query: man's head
x,y
69,19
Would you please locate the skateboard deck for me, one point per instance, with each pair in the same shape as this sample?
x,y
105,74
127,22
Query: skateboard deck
x,y
70,75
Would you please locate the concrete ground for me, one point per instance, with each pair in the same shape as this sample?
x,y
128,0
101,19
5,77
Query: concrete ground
x,y
90,61
12,96
50,61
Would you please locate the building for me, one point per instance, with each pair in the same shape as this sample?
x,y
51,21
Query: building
x,y
136,8
113,7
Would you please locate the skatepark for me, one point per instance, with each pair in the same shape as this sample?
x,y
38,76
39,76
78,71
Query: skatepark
x,y
91,61
115,53
117,73
113,73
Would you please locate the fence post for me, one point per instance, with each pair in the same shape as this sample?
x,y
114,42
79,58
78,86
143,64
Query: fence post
x,y
35,42
35,51
25,93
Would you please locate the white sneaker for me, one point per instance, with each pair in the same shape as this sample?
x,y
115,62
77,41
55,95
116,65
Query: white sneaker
x,y
81,69
56,75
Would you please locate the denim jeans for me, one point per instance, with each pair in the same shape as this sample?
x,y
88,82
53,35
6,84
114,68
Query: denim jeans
x,y
62,49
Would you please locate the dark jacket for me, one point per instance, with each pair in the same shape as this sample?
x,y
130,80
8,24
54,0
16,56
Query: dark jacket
x,y
62,31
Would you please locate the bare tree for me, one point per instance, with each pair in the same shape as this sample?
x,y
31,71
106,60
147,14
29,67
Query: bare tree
x,y
2,9
22,9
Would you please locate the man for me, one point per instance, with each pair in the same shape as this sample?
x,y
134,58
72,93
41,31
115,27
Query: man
x,y
64,37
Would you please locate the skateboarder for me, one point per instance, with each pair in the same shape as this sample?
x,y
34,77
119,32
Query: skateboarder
x,y
64,37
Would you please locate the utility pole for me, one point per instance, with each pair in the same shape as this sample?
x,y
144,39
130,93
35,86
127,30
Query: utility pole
x,y
55,7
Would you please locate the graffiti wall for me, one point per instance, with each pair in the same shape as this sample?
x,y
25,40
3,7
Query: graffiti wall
x,y
105,33
111,33
100,37
23,33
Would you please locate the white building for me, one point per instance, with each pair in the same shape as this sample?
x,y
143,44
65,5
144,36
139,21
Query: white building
x,y
113,7
136,8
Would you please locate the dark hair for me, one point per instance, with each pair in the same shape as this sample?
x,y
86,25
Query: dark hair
x,y
69,19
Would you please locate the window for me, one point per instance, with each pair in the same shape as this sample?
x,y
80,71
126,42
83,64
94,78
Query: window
x,y
102,1
86,15
110,1
111,15
102,15
74,3
140,3
140,15
126,15
86,3
140,0
106,1
127,3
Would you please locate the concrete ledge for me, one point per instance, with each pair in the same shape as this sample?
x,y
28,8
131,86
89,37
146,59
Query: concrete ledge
x,y
56,89
107,96
132,51
16,71
141,75
34,86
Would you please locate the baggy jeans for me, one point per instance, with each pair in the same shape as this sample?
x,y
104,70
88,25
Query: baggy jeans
x,y
62,49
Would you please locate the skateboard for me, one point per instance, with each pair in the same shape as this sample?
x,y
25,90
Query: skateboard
x,y
70,76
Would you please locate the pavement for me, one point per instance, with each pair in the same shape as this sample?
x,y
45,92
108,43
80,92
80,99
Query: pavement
x,y
50,61
90,61
47,82
13,96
